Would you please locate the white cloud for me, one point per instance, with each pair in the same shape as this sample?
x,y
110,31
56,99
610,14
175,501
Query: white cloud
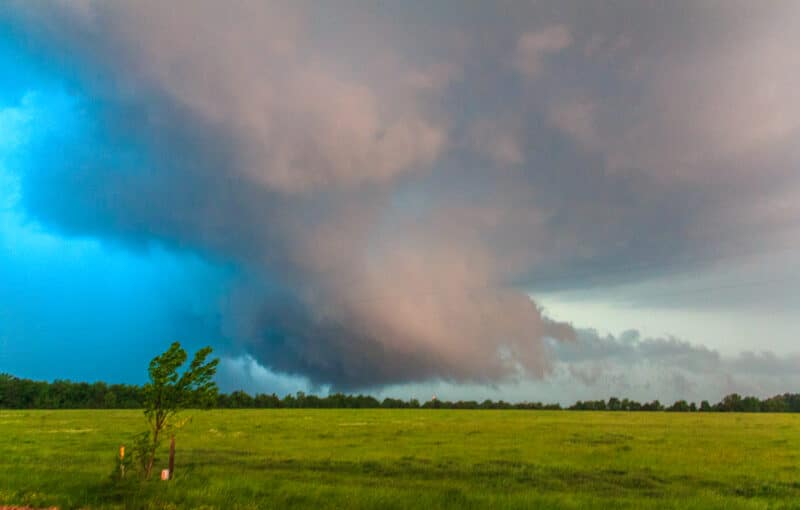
x,y
245,373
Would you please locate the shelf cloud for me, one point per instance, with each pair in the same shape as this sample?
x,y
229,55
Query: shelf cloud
x,y
390,182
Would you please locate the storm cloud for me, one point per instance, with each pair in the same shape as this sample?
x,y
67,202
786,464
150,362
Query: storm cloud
x,y
390,180
629,365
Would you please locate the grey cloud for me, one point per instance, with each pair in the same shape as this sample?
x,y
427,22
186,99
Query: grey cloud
x,y
388,178
629,348
766,363
666,368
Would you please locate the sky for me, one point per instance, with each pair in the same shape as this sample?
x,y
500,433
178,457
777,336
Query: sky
x,y
542,201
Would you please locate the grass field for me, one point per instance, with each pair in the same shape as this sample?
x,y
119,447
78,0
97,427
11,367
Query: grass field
x,y
411,459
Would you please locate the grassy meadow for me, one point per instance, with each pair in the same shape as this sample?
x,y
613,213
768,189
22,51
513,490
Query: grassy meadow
x,y
411,459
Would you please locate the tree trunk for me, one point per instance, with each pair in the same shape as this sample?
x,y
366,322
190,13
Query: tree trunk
x,y
152,459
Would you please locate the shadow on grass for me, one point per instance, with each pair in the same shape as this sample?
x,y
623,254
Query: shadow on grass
x,y
492,475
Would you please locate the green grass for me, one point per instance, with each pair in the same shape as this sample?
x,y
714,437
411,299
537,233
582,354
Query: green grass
x,y
411,459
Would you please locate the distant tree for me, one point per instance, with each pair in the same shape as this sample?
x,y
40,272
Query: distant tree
x,y
791,402
168,393
289,401
8,399
432,404
465,404
750,405
681,406
655,405
776,404
240,400
730,403
264,401
110,400
630,405
614,404
393,403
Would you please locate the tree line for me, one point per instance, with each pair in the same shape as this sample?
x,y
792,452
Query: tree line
x,y
18,393
786,403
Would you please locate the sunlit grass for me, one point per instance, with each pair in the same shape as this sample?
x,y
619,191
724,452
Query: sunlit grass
x,y
412,459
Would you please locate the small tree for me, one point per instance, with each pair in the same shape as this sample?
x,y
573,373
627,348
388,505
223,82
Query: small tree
x,y
169,392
